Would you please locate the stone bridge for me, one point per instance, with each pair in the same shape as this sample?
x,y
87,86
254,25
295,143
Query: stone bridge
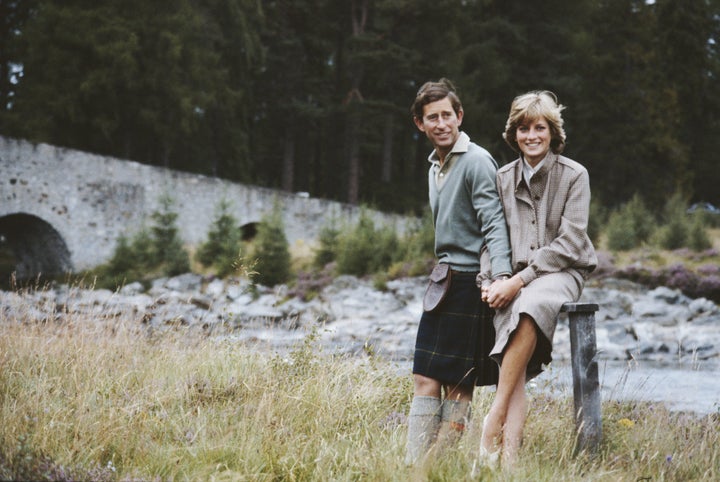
x,y
63,210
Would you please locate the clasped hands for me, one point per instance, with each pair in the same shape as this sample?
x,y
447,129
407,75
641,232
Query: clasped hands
x,y
499,293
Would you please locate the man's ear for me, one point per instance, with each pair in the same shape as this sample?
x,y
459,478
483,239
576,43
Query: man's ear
x,y
460,116
419,124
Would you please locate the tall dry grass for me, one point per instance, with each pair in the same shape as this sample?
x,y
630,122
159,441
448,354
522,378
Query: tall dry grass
x,y
106,399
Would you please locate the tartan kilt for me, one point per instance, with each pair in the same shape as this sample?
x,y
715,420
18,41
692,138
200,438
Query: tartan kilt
x,y
454,341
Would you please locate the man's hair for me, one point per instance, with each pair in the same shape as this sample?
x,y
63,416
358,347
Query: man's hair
x,y
432,92
530,107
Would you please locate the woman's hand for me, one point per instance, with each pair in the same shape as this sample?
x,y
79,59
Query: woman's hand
x,y
484,290
501,292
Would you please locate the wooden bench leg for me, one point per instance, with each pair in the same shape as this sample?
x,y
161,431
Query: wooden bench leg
x,y
586,385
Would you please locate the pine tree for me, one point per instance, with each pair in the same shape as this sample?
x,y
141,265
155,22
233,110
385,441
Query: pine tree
x,y
167,246
272,252
223,248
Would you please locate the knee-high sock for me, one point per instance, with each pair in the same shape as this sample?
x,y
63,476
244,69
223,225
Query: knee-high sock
x,y
423,424
455,417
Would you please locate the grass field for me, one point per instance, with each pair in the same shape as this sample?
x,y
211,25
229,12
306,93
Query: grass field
x,y
106,400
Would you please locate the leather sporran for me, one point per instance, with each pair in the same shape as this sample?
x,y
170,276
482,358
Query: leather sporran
x,y
437,287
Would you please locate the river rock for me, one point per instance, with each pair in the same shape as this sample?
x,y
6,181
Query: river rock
x,y
351,315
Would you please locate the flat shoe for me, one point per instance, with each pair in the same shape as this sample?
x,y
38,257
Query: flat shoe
x,y
487,459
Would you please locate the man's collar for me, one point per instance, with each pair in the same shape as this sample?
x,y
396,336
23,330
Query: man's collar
x,y
461,146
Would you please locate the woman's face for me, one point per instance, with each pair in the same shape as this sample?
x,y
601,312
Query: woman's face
x,y
533,139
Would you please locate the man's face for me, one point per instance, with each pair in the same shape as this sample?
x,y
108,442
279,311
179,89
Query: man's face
x,y
440,124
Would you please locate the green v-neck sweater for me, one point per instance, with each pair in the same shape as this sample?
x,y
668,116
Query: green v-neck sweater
x,y
466,210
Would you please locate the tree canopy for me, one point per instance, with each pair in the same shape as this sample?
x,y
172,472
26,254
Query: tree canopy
x,y
314,95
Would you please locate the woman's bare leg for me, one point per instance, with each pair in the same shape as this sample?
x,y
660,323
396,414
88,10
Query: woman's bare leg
x,y
503,418
514,425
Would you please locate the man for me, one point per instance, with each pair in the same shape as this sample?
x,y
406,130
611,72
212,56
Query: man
x,y
454,339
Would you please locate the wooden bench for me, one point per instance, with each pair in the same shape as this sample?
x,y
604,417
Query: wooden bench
x,y
586,385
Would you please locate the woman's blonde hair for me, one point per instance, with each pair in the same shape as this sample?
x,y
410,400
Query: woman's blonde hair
x,y
530,107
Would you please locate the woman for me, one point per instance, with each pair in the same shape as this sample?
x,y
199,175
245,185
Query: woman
x,y
546,200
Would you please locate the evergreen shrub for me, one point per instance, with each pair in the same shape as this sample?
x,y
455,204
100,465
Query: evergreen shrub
x,y
416,251
326,253
630,225
153,252
272,252
675,229
698,238
143,250
223,248
365,249
387,248
620,232
598,217
169,254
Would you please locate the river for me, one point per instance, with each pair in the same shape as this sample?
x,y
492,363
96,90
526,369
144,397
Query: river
x,y
681,387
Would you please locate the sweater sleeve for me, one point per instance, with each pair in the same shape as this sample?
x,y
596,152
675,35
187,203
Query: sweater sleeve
x,y
490,216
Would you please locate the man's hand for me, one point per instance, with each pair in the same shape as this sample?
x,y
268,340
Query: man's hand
x,y
501,292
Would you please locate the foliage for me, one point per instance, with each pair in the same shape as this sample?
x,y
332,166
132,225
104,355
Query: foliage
x,y
272,251
323,105
630,225
153,252
223,248
597,219
125,81
621,235
676,227
363,249
694,273
416,251
698,237
366,249
328,245
356,248
167,247
128,262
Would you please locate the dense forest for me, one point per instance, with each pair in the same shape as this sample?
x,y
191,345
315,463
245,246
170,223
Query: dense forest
x,y
314,95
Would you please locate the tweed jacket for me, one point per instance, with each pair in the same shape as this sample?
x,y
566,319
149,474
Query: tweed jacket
x,y
548,219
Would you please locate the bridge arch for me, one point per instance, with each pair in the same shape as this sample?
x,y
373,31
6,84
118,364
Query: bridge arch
x,y
63,209
249,230
30,246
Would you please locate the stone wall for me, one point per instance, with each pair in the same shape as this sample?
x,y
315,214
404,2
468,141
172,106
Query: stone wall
x,y
71,206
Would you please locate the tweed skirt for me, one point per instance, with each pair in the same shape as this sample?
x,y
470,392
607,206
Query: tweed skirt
x,y
454,341
541,299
